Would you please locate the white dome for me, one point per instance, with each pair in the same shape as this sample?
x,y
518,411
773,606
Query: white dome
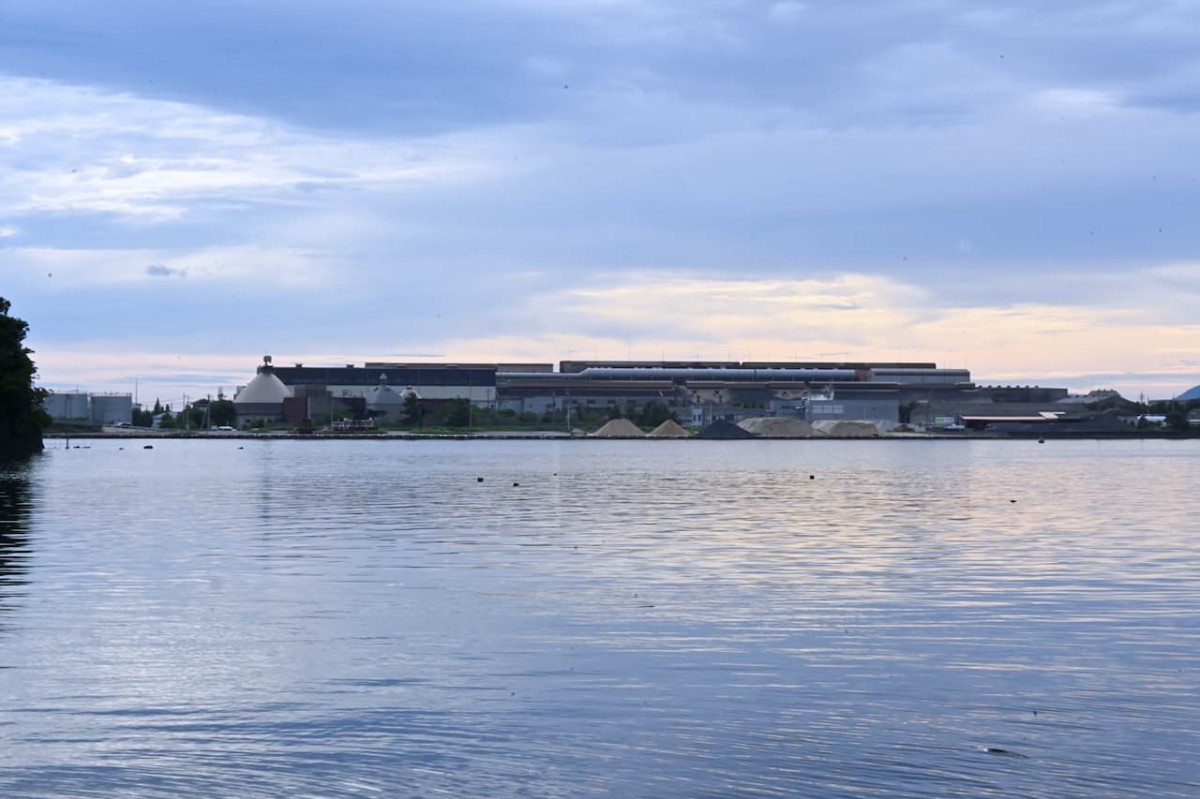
x,y
383,396
264,389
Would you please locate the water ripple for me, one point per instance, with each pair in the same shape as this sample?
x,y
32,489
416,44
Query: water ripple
x,y
699,619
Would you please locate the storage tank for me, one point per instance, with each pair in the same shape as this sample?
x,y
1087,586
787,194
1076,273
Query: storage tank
x,y
112,408
67,405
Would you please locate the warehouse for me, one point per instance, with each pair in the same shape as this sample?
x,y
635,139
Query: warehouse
x,y
698,391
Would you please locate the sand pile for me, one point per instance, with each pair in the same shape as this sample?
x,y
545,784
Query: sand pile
x,y
846,428
723,429
669,429
619,428
775,427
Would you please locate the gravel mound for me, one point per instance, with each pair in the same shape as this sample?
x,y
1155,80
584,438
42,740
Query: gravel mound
x,y
669,429
846,428
619,428
775,427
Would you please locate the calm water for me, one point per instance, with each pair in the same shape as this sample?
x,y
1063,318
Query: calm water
x,y
635,619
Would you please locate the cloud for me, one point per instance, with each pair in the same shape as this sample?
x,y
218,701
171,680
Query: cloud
x,y
844,307
787,11
806,178
158,270
75,149
652,316
1076,102
847,316
264,269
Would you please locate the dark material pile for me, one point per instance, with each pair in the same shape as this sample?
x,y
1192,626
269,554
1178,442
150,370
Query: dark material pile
x,y
724,430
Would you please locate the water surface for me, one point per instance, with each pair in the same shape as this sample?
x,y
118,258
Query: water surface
x,y
586,619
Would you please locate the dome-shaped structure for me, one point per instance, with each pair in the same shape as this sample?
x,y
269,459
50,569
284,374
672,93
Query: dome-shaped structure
x,y
262,398
265,388
383,400
1192,393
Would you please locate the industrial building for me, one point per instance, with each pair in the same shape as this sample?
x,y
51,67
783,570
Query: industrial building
x,y
298,393
704,391
475,382
697,392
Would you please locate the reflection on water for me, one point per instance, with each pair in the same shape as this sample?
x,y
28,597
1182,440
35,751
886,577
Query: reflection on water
x,y
14,536
653,619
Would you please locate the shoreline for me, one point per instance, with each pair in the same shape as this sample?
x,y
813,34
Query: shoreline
x,y
145,435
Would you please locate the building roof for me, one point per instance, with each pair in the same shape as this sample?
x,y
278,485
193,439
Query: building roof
x,y
427,374
384,395
264,389
1039,418
1192,393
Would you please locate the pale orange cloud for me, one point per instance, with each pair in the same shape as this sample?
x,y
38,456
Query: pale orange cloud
x,y
843,317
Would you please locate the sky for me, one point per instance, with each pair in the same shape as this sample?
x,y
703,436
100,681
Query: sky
x,y
1011,187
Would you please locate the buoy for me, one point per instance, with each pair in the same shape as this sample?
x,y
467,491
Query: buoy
x,y
516,485
478,479
812,477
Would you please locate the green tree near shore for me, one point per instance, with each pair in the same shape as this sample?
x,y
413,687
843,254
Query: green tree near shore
x,y
412,412
22,418
222,411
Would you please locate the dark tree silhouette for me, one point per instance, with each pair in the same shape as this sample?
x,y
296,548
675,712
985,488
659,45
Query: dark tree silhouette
x,y
21,416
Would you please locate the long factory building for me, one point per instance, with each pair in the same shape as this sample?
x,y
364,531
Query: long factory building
x,y
697,391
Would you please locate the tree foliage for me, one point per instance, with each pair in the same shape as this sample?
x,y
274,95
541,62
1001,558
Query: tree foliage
x,y
412,412
1177,420
452,413
653,414
21,416
222,412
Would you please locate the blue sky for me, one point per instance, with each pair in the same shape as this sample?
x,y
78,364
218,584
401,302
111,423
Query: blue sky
x,y
184,188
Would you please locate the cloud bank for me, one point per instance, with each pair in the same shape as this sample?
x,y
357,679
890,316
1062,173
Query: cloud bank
x,y
1008,189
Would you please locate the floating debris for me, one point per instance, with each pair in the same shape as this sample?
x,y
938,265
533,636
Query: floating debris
x,y
995,750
